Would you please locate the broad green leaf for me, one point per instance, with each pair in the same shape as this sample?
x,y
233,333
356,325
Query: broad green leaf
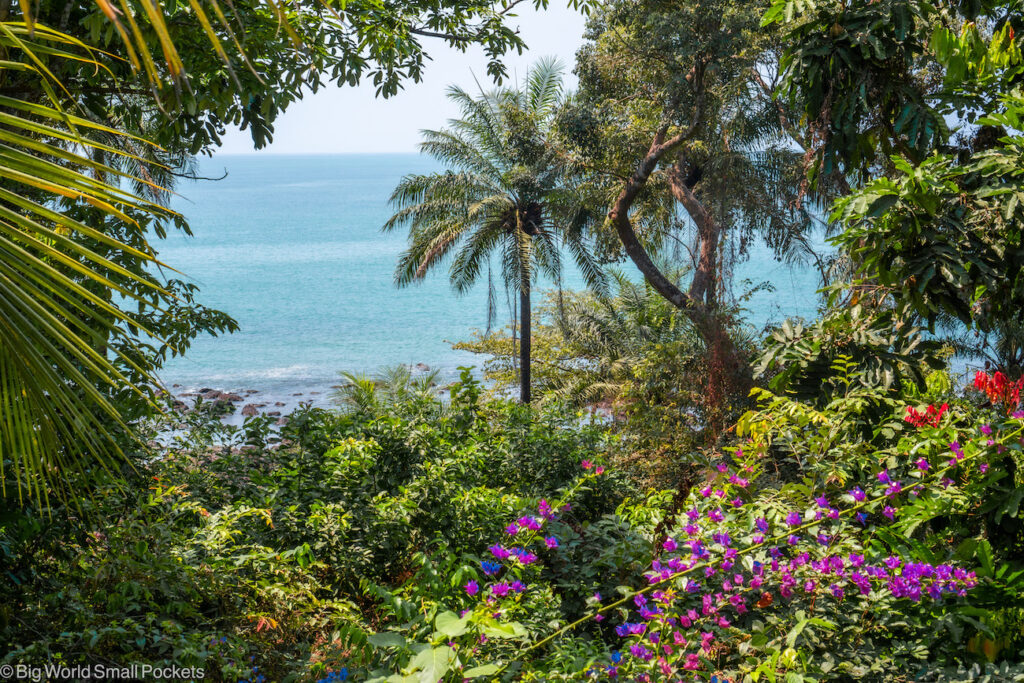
x,y
478,671
450,624
386,639
431,664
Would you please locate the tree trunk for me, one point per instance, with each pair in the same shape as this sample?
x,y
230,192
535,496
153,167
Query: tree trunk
x,y
524,344
727,369
703,286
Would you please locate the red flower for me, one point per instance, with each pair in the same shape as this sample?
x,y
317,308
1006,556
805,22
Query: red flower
x,y
931,417
999,388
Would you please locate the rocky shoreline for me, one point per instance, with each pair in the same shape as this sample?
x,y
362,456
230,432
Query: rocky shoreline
x,y
236,405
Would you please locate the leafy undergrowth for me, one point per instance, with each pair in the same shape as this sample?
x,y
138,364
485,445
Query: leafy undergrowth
x,y
415,540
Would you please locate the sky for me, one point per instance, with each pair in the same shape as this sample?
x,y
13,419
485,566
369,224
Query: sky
x,y
351,120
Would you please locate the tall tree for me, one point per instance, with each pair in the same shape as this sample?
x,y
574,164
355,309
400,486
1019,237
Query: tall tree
x,y
675,110
503,191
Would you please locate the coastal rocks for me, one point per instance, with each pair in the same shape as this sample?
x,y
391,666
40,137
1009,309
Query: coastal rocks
x,y
281,421
422,367
274,413
250,410
220,407
279,404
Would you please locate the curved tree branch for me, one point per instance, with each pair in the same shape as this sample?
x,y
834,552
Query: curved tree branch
x,y
619,213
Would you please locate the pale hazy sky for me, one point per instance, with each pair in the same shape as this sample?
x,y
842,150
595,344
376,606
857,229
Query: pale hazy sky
x,y
352,120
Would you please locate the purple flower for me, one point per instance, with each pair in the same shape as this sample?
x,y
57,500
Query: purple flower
x,y
889,512
986,430
641,652
883,477
822,501
499,552
793,518
670,544
524,556
762,524
922,465
628,629
512,529
983,467
858,494
530,523
551,542
472,588
716,515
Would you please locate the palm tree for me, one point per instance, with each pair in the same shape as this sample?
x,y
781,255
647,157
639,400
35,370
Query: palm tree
x,y
503,191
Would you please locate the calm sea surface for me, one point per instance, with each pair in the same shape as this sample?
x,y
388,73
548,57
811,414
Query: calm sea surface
x,y
291,247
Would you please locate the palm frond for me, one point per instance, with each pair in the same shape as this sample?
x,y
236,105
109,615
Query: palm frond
x,y
55,330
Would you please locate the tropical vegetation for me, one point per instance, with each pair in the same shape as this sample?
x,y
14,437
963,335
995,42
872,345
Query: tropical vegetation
x,y
687,499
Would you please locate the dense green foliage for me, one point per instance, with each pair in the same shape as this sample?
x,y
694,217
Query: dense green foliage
x,y
290,551
846,508
377,519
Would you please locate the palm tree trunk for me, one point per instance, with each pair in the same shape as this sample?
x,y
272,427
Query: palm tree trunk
x,y
524,344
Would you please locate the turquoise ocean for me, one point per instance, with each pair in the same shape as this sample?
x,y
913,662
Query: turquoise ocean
x,y
291,247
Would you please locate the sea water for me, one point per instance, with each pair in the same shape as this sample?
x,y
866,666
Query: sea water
x,y
292,248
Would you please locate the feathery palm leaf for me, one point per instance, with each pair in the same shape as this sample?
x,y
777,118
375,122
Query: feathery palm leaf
x,y
55,356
